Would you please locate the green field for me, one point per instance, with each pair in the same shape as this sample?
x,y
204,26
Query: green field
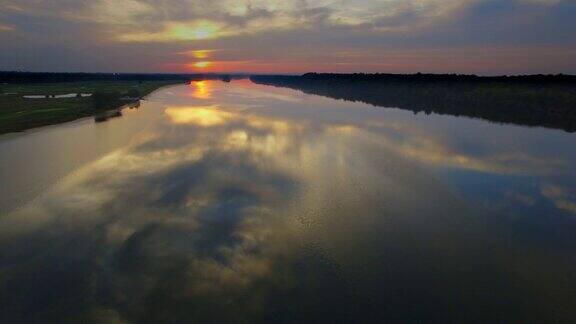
x,y
18,113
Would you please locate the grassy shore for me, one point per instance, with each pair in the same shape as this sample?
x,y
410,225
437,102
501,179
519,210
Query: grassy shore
x,y
18,113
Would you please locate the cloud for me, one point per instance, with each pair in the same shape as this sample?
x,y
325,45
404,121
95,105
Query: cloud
x,y
178,19
542,2
561,197
6,28
127,34
228,18
203,116
197,30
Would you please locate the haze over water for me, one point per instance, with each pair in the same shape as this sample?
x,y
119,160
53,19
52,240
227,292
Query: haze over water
x,y
245,203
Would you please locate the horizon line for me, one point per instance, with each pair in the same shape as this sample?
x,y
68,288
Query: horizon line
x,y
292,74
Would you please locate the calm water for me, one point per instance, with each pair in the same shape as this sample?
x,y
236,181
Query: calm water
x,y
245,203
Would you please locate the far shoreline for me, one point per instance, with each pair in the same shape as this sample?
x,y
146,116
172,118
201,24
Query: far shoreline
x,y
530,100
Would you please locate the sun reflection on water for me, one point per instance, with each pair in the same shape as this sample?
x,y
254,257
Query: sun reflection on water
x,y
201,90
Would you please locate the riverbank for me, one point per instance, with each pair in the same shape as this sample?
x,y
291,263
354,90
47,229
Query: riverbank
x,y
18,113
538,100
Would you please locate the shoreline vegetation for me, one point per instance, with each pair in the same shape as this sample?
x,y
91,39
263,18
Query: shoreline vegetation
x,y
533,100
32,99
29,100
18,113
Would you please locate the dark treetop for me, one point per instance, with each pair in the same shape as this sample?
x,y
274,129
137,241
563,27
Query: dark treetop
x,y
534,100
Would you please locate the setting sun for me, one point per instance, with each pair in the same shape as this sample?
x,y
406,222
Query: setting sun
x,y
202,64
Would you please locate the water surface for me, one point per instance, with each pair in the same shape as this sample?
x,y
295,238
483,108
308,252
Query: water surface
x,y
245,203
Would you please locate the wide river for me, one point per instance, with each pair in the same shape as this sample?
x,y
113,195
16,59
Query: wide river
x,y
235,202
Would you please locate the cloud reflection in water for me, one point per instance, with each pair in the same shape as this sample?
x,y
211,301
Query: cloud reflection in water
x,y
253,208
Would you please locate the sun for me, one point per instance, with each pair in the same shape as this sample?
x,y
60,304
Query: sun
x,y
202,64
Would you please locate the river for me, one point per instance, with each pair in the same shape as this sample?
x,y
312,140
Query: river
x,y
237,202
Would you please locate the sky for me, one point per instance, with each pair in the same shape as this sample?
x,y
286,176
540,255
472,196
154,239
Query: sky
x,y
486,37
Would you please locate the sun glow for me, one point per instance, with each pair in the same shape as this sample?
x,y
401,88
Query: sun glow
x,y
200,54
197,30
